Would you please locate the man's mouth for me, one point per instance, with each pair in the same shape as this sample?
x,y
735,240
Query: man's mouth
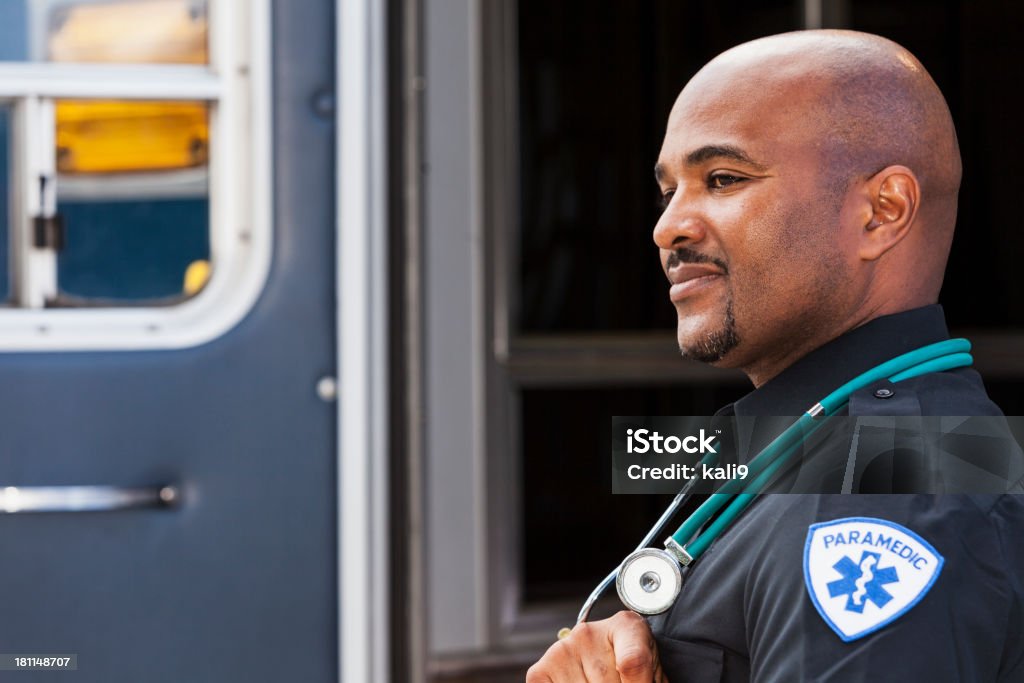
x,y
689,278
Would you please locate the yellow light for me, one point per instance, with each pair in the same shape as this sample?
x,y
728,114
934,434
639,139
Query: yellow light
x,y
115,136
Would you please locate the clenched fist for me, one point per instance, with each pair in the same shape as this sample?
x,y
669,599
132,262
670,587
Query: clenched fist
x,y
620,649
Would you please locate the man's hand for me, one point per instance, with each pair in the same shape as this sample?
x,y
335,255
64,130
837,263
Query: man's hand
x,y
620,649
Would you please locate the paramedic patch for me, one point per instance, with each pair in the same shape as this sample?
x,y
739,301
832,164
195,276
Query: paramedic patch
x,y
863,573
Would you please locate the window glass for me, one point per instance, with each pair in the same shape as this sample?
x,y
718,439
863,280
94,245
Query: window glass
x,y
13,30
596,83
94,31
566,461
132,193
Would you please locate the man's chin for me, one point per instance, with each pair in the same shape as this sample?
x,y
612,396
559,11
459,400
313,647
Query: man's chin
x,y
713,346
705,354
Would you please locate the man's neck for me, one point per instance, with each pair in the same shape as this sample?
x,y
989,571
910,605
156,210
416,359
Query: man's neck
x,y
820,370
768,366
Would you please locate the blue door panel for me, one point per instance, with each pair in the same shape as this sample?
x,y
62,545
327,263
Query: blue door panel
x,y
238,582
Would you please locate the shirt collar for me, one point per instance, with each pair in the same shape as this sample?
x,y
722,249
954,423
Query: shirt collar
x,y
812,377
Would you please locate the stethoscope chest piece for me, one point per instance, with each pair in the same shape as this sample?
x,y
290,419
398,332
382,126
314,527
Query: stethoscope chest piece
x,y
649,581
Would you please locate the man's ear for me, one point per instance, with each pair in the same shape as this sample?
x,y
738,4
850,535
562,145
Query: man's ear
x,y
894,195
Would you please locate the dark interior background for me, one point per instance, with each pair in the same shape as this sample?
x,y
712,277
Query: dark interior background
x,y
596,84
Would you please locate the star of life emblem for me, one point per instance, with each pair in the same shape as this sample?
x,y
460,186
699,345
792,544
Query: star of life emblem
x,y
863,573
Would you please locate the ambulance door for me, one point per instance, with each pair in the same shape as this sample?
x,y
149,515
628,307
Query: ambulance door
x,y
167,340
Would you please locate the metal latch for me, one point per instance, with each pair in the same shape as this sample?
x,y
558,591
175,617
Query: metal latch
x,y
48,232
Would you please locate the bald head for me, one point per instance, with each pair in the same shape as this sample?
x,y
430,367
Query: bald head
x,y
807,163
873,105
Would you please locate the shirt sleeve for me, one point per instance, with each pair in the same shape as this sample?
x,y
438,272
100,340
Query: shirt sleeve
x,y
957,631
1008,516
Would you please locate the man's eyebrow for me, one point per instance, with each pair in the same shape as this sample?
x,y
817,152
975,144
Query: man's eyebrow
x,y
709,152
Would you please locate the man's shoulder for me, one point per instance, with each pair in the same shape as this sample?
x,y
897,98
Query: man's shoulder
x,y
956,392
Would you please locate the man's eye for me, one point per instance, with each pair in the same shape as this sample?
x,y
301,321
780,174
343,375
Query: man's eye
x,y
720,181
666,199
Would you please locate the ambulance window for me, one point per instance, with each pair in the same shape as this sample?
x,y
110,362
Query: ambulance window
x,y
132,198
131,176
132,190
136,142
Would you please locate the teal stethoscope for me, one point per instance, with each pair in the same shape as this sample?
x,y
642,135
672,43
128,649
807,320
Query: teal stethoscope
x,y
649,579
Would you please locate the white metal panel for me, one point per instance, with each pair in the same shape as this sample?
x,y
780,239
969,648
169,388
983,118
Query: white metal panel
x,y
35,168
109,81
453,247
362,343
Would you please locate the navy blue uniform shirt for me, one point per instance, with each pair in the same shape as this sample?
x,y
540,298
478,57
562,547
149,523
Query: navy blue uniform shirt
x,y
746,610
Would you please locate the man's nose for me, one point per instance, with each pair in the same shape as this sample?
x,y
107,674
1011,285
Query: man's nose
x,y
678,225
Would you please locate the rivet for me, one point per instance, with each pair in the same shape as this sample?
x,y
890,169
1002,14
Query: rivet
x,y
323,103
327,389
168,495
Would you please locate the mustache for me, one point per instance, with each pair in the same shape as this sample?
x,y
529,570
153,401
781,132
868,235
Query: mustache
x,y
690,256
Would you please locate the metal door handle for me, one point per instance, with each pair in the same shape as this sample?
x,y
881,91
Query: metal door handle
x,y
83,498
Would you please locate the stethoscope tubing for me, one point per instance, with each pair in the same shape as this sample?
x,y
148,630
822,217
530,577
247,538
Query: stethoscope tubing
x,y
938,357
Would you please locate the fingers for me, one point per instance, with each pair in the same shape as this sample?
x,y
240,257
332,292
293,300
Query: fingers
x,y
558,665
659,675
636,656
594,649
619,649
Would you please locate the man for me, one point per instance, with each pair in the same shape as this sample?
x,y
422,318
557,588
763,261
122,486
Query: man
x,y
810,187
